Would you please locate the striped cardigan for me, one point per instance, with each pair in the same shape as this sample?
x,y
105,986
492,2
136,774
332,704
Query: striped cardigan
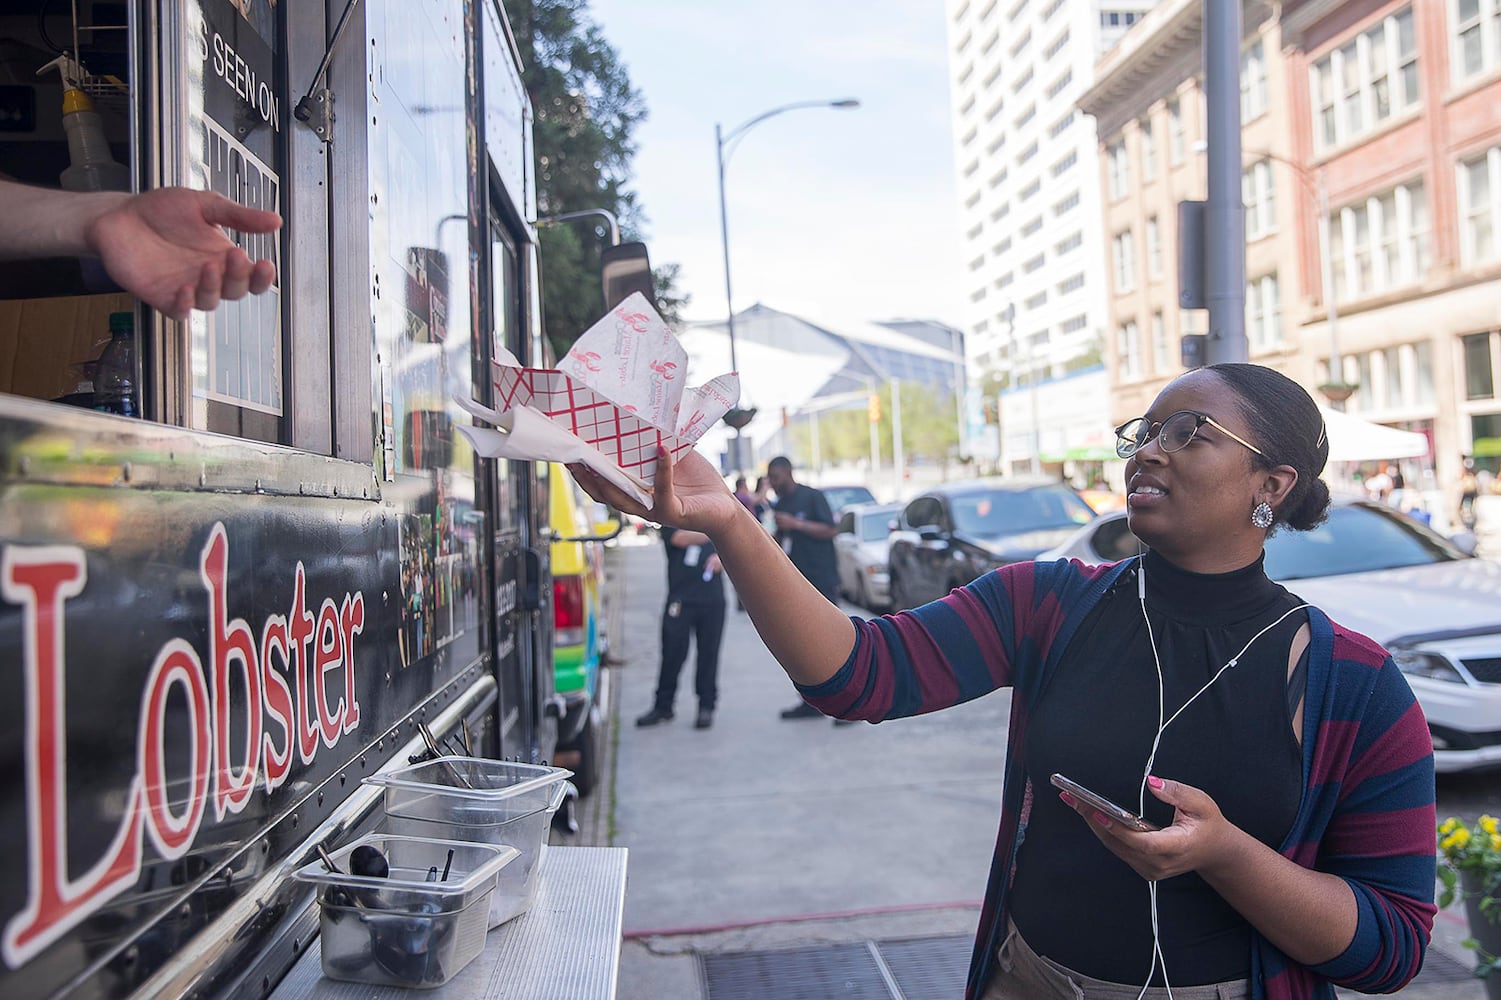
x,y
1367,809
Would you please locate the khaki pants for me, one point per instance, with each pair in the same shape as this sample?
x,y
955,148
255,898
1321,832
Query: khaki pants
x,y
1022,974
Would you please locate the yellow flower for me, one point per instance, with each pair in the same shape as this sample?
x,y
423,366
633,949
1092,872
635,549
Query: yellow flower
x,y
1496,841
1458,839
1488,824
1448,825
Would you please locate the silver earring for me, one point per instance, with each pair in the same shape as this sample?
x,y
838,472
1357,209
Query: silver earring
x,y
1262,515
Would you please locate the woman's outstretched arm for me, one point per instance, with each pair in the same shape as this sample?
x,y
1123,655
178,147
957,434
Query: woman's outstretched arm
x,y
810,637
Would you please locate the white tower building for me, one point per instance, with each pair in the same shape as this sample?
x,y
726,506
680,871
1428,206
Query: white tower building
x,y
1029,202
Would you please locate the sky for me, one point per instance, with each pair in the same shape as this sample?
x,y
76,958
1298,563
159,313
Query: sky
x,y
833,214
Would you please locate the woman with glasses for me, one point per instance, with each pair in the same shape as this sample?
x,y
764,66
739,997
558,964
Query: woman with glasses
x,y
1280,767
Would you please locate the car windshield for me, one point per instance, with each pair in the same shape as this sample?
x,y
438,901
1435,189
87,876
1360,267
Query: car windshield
x,y
840,497
1013,512
1357,538
875,525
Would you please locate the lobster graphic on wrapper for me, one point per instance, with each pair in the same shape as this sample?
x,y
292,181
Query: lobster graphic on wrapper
x,y
589,359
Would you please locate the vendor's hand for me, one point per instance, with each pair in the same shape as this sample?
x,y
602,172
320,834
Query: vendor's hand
x,y
167,247
1199,838
687,494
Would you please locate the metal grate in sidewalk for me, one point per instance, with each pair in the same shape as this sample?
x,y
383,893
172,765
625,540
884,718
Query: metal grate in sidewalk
x,y
916,969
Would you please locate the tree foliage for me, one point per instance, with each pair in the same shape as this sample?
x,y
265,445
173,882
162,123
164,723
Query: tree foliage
x,y
586,111
930,430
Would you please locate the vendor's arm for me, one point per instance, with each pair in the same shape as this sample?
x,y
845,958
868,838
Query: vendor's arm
x,y
809,636
165,246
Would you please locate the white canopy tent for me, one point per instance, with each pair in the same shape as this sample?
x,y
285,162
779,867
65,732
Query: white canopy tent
x,y
1354,440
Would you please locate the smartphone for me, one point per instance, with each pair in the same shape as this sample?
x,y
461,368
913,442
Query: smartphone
x,y
1104,805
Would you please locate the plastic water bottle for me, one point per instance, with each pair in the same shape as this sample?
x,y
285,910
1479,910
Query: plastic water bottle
x,y
115,376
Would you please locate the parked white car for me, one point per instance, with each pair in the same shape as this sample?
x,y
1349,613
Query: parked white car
x,y
861,547
1434,607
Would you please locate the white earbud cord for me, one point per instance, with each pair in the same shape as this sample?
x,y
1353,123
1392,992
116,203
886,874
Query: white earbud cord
x,y
1141,795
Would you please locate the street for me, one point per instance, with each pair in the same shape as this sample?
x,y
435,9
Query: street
x,y
837,848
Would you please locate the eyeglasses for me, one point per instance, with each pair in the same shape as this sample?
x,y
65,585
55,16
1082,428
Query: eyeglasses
x,y
1173,434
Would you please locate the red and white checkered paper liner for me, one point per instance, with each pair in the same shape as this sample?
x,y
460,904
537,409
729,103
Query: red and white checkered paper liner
x,y
622,437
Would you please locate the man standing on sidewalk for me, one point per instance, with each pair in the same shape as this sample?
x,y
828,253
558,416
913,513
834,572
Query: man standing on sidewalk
x,y
806,530
695,609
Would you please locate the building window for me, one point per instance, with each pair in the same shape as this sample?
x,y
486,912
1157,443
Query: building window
x,y
1064,205
1154,248
1056,46
999,177
1005,280
1260,197
1034,265
1128,346
1253,86
1175,141
1001,247
1028,191
1071,284
977,263
1022,81
1148,151
1263,313
1123,257
1119,169
1051,9
1056,87
1380,243
1027,115
1476,41
1479,182
1422,359
1072,324
1068,243
1000,211
1032,226
1480,381
1159,343
1036,301
1365,82
1057,128
1021,43
1026,154
1063,165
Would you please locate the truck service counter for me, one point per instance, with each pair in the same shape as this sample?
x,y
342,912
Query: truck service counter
x,y
566,947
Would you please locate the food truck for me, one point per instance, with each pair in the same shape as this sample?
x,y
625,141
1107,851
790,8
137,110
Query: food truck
x,y
220,614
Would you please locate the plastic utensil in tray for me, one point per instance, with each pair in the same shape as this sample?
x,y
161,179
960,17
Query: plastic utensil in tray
x,y
481,800
410,928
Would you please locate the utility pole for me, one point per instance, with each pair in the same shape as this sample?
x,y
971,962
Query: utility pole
x,y
1224,215
874,419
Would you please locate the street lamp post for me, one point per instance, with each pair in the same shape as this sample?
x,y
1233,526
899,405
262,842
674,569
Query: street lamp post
x,y
722,141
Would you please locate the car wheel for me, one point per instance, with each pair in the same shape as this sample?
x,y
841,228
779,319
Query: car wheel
x,y
898,592
862,596
590,753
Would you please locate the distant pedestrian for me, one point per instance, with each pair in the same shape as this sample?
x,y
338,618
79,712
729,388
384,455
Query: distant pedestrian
x,y
1469,489
694,611
805,530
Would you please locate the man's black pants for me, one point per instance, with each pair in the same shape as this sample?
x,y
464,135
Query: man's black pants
x,y
704,623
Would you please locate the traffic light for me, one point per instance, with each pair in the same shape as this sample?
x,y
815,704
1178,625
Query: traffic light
x,y
873,408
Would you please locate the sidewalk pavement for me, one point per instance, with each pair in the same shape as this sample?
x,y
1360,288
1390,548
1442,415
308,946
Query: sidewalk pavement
x,y
764,834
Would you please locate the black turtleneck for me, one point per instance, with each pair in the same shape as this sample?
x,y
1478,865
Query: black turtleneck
x,y
1075,902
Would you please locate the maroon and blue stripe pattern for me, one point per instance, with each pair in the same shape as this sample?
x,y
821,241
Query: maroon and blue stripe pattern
x,y
1367,811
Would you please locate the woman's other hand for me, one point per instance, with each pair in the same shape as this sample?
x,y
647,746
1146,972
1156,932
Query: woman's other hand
x,y
688,494
1200,839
